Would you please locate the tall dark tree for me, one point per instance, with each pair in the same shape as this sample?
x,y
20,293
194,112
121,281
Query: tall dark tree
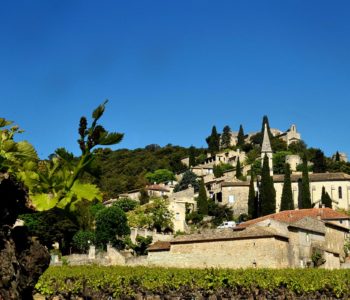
x,y
238,169
267,190
226,137
326,200
287,202
188,178
266,121
337,156
252,207
192,156
305,186
240,137
319,162
202,199
213,141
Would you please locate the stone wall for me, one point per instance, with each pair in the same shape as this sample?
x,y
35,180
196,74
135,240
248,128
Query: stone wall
x,y
245,253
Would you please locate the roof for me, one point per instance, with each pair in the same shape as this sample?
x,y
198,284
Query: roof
x,y
266,145
310,224
235,183
159,246
229,234
313,177
157,187
292,216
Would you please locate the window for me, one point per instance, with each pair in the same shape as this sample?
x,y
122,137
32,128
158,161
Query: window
x,y
231,199
340,193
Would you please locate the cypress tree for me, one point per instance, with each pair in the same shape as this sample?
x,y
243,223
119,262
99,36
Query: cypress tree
x,y
213,141
252,209
192,156
226,137
267,190
240,137
305,186
337,156
325,198
266,121
238,169
287,202
202,200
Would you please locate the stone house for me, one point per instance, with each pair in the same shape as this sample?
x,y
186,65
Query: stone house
x,y
275,241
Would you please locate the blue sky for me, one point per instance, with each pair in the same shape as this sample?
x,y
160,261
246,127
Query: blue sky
x,y
173,69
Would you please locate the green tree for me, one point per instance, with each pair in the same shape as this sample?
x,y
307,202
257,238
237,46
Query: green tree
x,y
238,169
220,213
337,156
305,186
319,162
126,204
252,201
240,137
279,160
267,190
83,239
226,137
160,175
326,200
188,178
266,121
202,199
213,141
297,147
111,226
287,202
144,197
192,156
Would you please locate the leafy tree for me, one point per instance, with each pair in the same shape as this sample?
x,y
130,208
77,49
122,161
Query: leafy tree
x,y
278,144
153,215
142,243
83,239
252,200
325,198
85,214
202,199
297,147
194,217
305,186
226,137
279,160
319,162
238,169
192,156
144,197
111,226
160,175
56,183
220,213
213,141
188,178
287,202
267,190
219,169
240,137
126,204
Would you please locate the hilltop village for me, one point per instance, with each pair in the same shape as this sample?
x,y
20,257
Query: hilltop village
x,y
276,199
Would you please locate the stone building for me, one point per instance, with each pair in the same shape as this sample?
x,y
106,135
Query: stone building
x,y
287,239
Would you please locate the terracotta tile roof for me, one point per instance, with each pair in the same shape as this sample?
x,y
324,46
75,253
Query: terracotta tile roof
x,y
157,187
292,216
229,234
310,224
314,177
159,246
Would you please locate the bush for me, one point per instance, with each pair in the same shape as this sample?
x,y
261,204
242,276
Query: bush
x,y
82,240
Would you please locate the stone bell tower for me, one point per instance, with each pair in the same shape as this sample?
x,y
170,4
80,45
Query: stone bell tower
x,y
266,150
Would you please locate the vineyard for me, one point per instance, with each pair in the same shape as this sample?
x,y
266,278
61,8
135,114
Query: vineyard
x,y
95,282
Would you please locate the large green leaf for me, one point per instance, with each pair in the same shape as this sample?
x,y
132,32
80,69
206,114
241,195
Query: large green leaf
x,y
9,146
98,112
86,191
44,201
111,138
25,149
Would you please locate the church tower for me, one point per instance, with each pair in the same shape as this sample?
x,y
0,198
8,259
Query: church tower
x,y
266,150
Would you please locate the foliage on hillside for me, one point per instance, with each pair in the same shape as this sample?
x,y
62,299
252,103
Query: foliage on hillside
x,y
93,282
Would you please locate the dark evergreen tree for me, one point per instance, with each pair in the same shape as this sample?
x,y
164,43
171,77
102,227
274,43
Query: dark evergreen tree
x,y
267,190
266,121
305,186
226,137
319,162
213,141
238,169
240,137
337,156
192,156
202,200
326,200
188,178
252,209
287,202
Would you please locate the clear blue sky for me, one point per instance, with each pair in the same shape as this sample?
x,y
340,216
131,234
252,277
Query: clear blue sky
x,y
173,69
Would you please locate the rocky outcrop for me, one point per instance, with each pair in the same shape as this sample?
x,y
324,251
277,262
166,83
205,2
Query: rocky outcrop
x,y
22,258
